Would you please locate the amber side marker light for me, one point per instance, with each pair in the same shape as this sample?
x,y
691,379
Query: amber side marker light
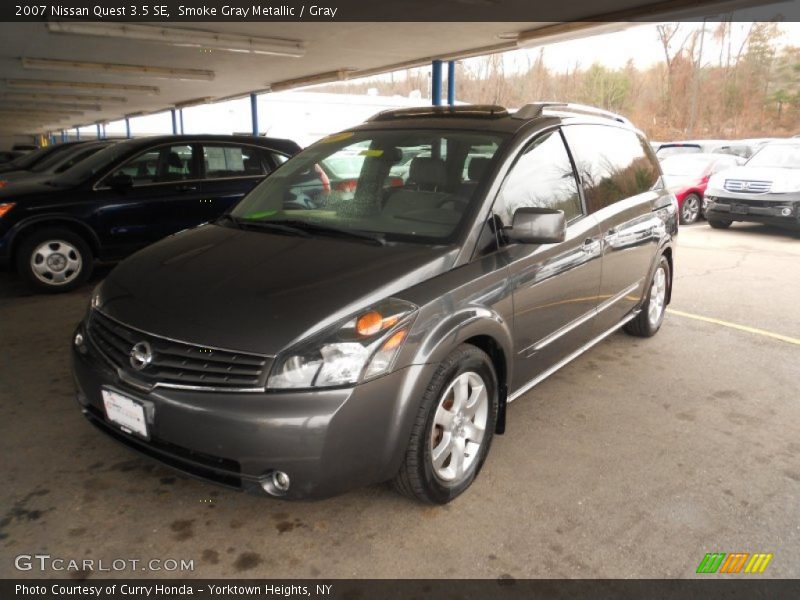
x,y
4,208
395,340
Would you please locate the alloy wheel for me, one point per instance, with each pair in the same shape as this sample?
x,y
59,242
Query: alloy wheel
x,y
459,428
690,209
658,295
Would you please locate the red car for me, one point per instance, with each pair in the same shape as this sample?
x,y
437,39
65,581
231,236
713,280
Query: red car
x,y
687,175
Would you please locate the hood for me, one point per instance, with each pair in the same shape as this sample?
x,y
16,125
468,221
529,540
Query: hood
x,y
21,190
255,291
17,177
750,174
676,183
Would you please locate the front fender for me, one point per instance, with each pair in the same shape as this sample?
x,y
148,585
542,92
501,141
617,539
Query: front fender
x,y
457,328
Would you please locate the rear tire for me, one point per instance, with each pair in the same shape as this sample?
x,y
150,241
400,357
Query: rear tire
x,y
719,224
691,209
54,260
649,320
453,430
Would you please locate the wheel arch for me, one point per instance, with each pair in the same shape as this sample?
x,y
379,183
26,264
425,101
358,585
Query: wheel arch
x,y
667,253
31,226
480,327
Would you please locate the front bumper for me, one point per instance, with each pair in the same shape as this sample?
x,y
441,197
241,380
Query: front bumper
x,y
327,441
771,209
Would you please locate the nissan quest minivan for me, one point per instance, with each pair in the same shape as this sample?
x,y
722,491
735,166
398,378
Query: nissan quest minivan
x,y
313,340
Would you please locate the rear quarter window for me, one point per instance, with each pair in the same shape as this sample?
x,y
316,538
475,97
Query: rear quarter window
x,y
613,163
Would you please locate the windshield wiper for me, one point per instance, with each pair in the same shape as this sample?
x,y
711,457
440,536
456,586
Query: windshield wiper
x,y
304,228
319,228
264,225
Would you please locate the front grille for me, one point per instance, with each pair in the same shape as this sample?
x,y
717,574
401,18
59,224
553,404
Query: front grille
x,y
176,364
752,187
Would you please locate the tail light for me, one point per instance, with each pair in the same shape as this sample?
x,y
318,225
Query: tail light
x,y
396,182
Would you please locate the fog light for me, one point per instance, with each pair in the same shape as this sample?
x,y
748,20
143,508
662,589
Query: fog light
x,y
786,212
281,481
80,343
276,483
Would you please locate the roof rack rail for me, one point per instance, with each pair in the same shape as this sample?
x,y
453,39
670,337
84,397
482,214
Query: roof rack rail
x,y
479,111
537,109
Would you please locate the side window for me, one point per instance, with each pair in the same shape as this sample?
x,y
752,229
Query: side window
x,y
278,159
542,177
613,163
233,161
159,165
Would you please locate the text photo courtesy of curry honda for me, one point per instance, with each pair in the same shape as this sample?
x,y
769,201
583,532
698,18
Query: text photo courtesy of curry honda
x,y
379,299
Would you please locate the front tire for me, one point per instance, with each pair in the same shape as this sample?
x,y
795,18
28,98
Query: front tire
x,y
54,260
715,224
453,431
691,209
649,320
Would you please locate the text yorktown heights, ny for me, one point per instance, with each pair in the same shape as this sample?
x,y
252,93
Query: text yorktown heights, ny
x,y
171,590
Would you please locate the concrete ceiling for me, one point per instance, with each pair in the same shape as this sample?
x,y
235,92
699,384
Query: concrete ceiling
x,y
354,48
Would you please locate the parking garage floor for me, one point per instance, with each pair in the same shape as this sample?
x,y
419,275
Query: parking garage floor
x,y
633,461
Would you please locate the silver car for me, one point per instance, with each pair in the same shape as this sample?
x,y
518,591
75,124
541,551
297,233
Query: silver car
x,y
766,189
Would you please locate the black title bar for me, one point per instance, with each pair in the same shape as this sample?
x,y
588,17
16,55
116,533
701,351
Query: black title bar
x,y
750,587
166,11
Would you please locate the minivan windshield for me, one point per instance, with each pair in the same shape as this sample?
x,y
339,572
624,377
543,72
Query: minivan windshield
x,y
782,156
384,193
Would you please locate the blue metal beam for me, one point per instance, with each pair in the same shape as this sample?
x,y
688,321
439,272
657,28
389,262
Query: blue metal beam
x,y
180,114
78,133
127,127
99,133
174,123
63,136
254,112
451,82
436,83
104,131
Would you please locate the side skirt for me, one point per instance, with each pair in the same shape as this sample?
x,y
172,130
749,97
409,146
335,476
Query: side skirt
x,y
538,379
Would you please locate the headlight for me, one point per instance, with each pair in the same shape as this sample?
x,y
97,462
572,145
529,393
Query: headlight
x,y
716,182
785,185
5,207
95,301
358,348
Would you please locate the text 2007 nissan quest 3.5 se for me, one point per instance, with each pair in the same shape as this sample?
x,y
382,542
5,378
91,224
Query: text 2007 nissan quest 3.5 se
x,y
320,336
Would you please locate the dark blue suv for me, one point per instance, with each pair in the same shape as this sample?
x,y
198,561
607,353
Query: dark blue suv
x,y
125,197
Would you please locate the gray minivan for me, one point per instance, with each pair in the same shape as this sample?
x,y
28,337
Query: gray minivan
x,y
309,341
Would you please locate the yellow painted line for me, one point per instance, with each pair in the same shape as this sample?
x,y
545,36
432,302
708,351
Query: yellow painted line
x,y
745,328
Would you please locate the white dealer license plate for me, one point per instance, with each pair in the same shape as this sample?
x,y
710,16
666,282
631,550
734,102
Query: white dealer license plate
x,y
125,412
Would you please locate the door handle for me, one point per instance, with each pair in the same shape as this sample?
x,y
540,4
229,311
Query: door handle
x,y
188,187
611,235
590,245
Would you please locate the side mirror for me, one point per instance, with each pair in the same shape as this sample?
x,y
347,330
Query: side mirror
x,y
120,182
537,226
